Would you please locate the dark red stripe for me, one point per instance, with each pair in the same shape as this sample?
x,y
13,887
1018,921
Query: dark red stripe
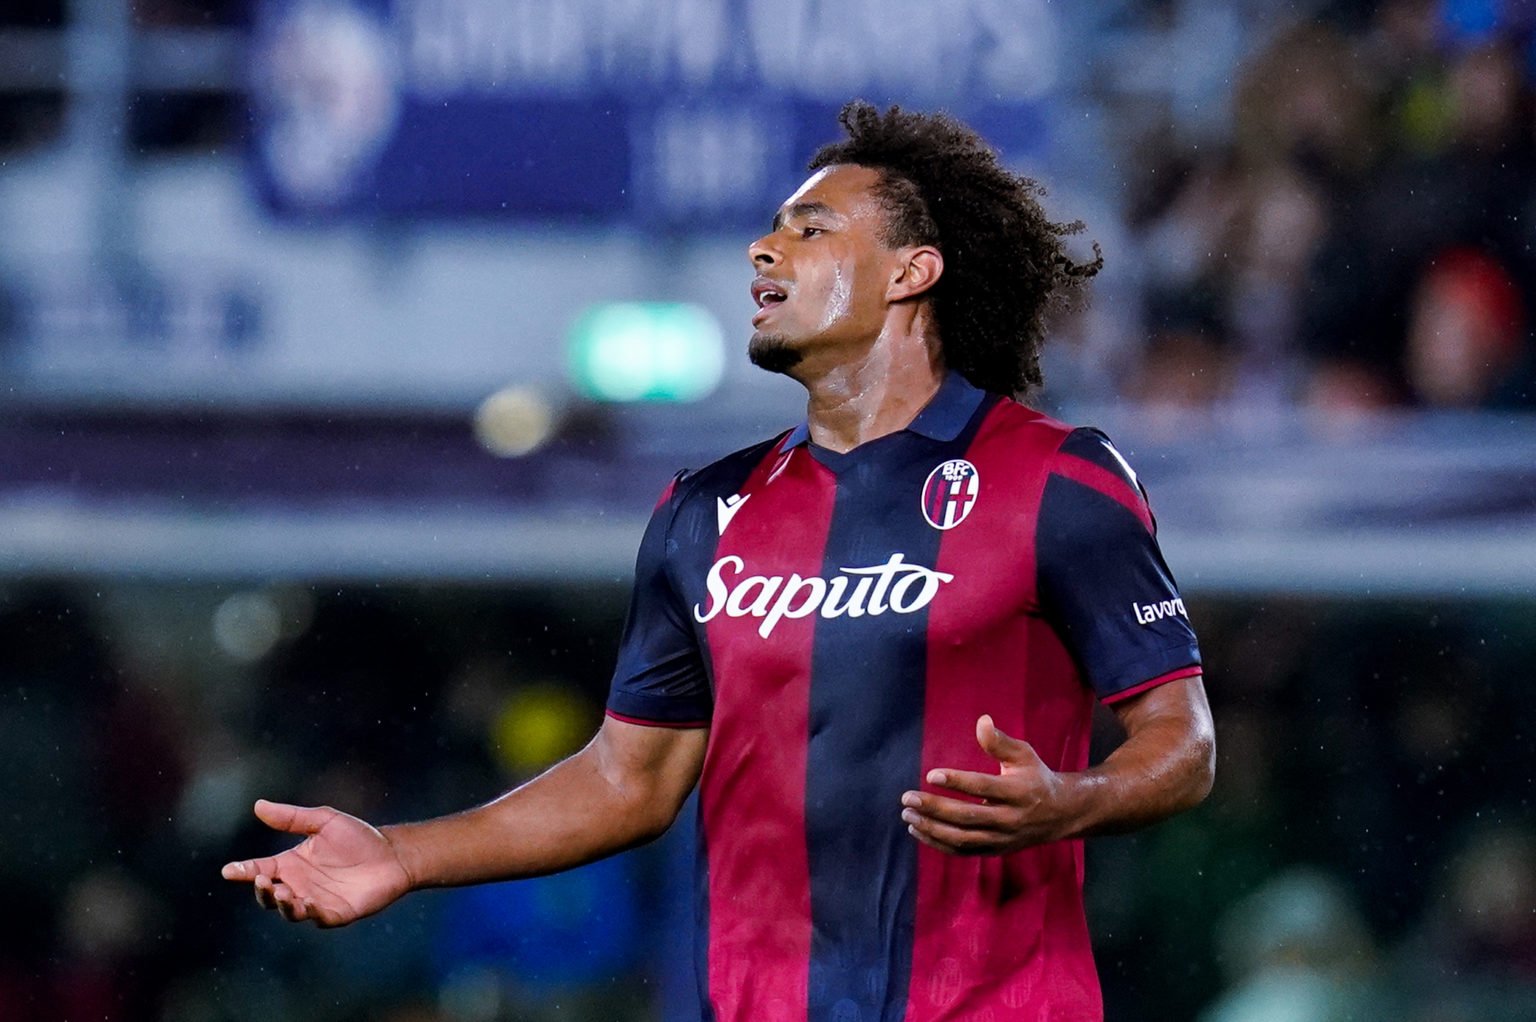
x,y
936,501
1001,936
753,794
1106,482
658,723
1161,679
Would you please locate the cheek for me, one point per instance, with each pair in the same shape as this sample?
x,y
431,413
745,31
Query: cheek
x,y
852,291
839,297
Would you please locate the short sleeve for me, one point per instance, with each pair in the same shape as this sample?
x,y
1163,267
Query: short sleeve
x,y
660,678
1103,582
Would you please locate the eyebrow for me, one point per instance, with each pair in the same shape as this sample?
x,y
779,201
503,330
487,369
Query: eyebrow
x,y
800,209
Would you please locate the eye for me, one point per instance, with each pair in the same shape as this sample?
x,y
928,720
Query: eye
x,y
810,232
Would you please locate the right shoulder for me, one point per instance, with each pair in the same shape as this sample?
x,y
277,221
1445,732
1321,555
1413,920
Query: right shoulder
x,y
688,513
721,478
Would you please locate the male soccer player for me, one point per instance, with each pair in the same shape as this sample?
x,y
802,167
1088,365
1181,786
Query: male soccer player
x,y
873,642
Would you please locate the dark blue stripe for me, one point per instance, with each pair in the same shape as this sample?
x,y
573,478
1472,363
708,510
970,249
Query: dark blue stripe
x,y
866,739
1096,561
1094,447
695,538
701,912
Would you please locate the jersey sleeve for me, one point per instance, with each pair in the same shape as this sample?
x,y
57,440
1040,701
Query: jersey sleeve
x,y
1103,582
659,679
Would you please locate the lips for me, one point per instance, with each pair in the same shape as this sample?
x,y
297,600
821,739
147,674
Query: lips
x,y
768,295
768,292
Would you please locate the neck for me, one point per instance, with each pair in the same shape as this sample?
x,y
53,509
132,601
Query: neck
x,y
880,391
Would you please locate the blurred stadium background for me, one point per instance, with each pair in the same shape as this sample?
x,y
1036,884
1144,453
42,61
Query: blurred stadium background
x,y
345,344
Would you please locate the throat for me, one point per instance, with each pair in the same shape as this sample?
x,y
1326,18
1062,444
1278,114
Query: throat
x,y
842,419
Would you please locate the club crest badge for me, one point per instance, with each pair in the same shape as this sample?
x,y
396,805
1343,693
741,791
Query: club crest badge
x,y
950,493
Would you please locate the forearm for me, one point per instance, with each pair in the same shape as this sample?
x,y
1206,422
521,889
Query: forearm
x,y
576,812
1165,767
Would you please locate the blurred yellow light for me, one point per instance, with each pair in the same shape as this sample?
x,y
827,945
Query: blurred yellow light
x,y
537,726
513,422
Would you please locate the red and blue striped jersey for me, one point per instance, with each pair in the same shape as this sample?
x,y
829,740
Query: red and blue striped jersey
x,y
839,621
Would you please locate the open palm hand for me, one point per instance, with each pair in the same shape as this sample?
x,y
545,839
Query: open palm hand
x,y
343,870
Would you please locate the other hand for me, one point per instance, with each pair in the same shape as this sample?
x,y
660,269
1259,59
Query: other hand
x,y
1024,804
343,870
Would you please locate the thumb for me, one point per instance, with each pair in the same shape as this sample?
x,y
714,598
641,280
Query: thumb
x,y
292,819
999,746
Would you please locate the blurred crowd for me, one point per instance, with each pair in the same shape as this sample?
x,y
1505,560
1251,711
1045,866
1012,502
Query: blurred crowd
x,y
1368,852
139,727
1363,239
1356,235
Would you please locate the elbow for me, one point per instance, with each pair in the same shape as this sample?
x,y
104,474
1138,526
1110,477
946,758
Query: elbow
x,y
1199,752
1202,765
654,824
644,789
648,809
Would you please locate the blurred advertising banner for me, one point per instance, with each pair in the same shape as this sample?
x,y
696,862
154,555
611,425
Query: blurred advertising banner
x,y
80,330
692,114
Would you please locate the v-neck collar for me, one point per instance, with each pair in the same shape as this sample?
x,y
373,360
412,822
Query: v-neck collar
x,y
942,418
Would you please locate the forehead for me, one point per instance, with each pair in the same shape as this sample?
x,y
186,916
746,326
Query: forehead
x,y
843,187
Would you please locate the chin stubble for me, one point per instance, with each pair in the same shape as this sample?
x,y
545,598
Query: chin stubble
x,y
773,353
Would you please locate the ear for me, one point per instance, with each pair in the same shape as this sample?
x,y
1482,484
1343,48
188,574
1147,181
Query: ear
x,y
917,271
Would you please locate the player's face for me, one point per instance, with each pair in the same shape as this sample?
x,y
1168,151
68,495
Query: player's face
x,y
822,272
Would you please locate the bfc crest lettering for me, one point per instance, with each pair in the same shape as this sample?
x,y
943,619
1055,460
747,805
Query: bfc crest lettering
x,y
950,493
896,586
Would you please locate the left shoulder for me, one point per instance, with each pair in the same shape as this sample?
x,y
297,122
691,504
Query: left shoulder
x,y
1090,470
1090,445
1021,427
1016,431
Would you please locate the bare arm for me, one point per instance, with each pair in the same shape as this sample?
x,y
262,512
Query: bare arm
x,y
1165,765
622,790
625,788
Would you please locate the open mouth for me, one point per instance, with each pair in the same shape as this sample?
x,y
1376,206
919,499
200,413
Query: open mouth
x,y
766,292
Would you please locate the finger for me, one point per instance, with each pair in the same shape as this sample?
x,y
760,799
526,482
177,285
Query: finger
x,y
289,905
327,911
961,814
930,842
324,918
1001,747
991,787
952,839
247,870
293,819
262,887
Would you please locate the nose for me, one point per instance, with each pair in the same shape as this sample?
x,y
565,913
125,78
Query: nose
x,y
763,253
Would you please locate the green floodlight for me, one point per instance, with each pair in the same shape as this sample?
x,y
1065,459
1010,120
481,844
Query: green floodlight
x,y
646,351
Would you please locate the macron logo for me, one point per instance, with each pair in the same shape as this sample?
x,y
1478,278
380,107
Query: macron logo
x,y
1147,613
726,508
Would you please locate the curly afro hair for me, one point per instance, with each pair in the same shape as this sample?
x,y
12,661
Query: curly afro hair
x,y
1005,266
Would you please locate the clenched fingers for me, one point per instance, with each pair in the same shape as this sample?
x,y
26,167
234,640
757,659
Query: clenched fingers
x,y
274,894
955,840
988,786
961,814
